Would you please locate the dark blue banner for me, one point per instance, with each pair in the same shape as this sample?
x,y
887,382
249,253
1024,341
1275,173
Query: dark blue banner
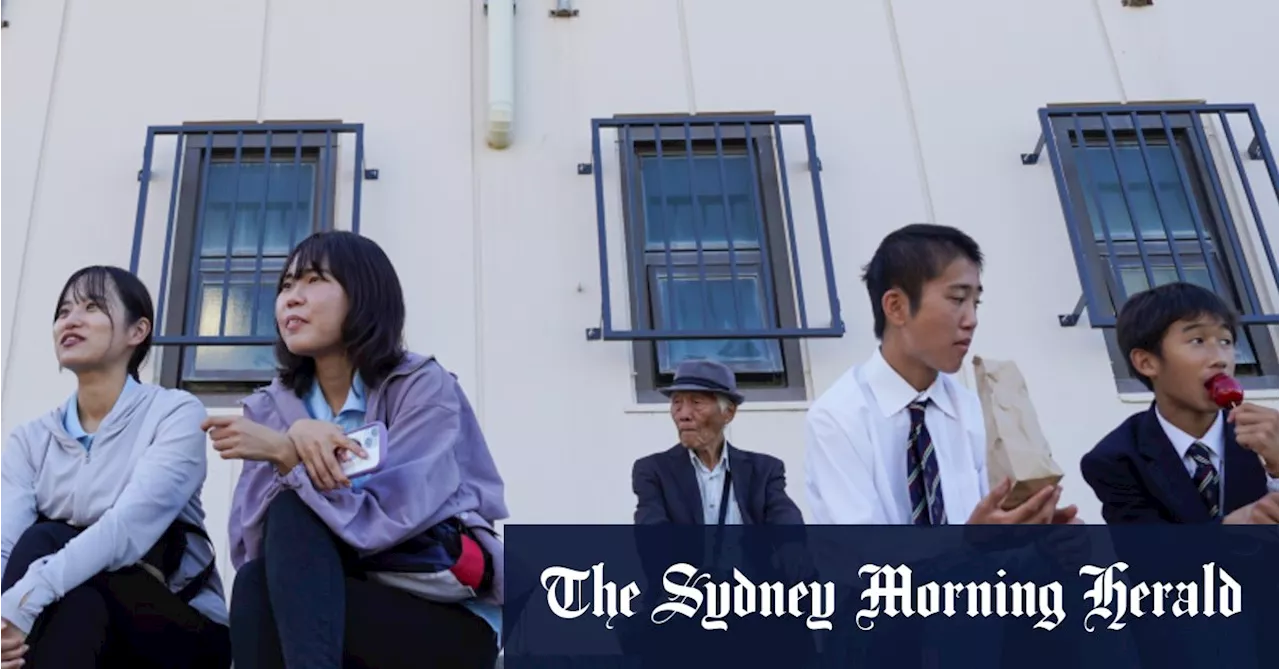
x,y
1033,597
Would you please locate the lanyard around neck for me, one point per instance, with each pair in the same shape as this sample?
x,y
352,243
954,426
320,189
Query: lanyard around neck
x,y
724,496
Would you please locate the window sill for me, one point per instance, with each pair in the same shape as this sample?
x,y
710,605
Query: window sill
x,y
1249,394
213,400
747,407
221,409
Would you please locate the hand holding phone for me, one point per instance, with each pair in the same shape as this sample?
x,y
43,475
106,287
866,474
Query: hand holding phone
x,y
372,438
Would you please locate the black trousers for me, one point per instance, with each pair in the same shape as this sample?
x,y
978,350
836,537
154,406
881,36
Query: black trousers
x,y
305,605
126,618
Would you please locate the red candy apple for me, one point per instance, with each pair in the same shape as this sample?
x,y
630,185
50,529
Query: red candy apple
x,y
1225,391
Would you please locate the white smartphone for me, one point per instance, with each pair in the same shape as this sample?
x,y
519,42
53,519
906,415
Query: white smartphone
x,y
373,439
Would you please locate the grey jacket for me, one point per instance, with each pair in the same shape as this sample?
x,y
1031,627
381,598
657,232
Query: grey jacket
x,y
145,469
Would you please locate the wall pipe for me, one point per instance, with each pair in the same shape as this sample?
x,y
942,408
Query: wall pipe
x,y
501,72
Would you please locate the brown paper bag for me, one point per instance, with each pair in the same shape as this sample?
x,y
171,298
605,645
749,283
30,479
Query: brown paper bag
x,y
1016,448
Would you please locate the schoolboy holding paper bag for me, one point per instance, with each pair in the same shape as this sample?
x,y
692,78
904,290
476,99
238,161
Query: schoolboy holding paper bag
x,y
1017,450
898,440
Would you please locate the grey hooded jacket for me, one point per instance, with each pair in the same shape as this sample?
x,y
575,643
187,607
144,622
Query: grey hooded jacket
x,y
145,469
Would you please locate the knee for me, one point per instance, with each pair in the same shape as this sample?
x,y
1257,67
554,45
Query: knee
x,y
38,541
291,524
287,506
44,538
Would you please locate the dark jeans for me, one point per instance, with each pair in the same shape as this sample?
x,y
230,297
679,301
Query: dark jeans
x,y
304,604
126,618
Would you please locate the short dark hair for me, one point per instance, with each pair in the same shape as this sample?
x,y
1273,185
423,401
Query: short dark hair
x,y
93,284
909,258
373,332
1147,316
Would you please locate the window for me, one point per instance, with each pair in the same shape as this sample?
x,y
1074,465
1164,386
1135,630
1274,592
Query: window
x,y
242,197
711,261
1153,210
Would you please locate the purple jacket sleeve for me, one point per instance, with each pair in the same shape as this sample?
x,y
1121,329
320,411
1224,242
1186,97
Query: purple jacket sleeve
x,y
428,429
256,488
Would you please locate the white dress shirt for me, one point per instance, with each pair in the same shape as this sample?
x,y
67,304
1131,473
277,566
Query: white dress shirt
x,y
856,437
1215,440
711,486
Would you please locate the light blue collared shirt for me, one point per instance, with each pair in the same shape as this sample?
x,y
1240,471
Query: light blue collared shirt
x,y
71,413
711,486
351,417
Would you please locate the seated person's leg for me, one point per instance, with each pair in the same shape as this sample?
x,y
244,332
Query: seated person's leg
x,y
254,640
152,627
305,583
390,629
72,632
39,540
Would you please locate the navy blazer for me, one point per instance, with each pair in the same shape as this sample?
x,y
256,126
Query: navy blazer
x,y
1139,478
666,488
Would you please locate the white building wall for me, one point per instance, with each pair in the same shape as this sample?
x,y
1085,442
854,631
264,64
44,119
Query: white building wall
x,y
921,110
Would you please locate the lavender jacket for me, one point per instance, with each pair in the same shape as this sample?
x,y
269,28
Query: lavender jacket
x,y
436,466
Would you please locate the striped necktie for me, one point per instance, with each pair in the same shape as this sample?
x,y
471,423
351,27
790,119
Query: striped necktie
x,y
1205,477
923,479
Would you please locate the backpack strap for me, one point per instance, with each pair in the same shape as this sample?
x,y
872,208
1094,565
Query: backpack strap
x,y
200,580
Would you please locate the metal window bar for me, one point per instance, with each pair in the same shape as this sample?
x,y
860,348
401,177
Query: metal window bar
x,y
204,137
1211,210
679,131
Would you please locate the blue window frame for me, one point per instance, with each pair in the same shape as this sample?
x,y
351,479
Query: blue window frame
x,y
1146,203
241,197
710,242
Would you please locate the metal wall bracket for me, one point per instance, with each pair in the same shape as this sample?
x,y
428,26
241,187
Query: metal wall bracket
x,y
564,10
1255,150
594,334
371,174
515,6
1069,320
141,175
584,169
1034,157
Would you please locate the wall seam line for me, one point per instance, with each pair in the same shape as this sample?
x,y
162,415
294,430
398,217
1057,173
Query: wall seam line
x,y
35,191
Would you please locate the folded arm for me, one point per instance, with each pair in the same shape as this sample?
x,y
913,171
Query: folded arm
x,y
419,474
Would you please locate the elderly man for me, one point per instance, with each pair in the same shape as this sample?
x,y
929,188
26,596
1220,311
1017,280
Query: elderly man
x,y
704,480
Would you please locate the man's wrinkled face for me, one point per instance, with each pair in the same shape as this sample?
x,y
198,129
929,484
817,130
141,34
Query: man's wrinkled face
x,y
699,418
